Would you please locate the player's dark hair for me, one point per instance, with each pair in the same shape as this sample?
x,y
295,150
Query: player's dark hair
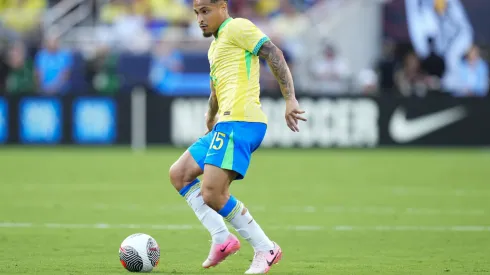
x,y
216,1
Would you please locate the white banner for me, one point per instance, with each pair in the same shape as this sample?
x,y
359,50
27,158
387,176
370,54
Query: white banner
x,y
342,122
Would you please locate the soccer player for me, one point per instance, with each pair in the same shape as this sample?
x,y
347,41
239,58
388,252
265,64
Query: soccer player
x,y
236,127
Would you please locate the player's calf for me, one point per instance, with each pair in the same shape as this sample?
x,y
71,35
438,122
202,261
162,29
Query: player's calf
x,y
267,252
216,195
183,176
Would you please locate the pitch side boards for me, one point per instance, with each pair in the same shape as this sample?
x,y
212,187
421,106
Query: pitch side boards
x,y
356,122
40,120
342,122
4,126
58,120
94,120
346,122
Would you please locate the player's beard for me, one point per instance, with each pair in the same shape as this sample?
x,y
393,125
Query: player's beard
x,y
207,34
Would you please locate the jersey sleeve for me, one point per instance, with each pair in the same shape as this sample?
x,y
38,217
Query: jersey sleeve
x,y
247,36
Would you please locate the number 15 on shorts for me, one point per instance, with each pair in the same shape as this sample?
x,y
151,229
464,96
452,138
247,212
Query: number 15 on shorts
x,y
218,141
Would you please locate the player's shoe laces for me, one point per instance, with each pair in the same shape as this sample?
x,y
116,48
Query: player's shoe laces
x,y
219,252
263,260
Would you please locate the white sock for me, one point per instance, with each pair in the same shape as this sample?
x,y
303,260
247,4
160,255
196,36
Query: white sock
x,y
211,220
249,229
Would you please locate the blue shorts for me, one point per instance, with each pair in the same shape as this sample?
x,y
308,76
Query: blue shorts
x,y
229,146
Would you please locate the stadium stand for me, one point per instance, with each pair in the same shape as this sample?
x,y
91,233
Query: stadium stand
x,y
117,45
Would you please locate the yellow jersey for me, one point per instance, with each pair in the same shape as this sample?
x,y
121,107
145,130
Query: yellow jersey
x,y
235,70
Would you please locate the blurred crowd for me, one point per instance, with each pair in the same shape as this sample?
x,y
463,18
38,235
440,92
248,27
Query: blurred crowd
x,y
34,61
403,72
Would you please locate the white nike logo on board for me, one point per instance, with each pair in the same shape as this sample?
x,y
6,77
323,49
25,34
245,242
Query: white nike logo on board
x,y
403,130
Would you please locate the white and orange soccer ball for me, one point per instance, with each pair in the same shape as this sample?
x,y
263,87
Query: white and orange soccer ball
x,y
139,253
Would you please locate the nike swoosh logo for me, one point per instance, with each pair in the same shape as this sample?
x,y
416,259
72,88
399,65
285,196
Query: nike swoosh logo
x,y
223,250
273,259
403,130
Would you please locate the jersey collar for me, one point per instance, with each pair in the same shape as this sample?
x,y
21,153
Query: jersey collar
x,y
223,25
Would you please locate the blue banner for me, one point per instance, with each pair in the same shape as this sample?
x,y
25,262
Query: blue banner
x,y
40,120
94,120
3,120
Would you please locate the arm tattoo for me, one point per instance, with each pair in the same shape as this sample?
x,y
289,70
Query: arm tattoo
x,y
279,68
212,103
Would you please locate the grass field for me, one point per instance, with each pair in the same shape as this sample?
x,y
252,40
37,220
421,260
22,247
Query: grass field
x,y
65,211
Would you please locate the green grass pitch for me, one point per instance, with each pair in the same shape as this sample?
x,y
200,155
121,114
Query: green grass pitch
x,y
390,211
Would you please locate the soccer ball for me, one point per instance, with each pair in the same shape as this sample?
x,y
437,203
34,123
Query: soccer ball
x,y
139,253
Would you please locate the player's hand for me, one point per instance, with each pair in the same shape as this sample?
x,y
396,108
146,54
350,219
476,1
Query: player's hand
x,y
293,114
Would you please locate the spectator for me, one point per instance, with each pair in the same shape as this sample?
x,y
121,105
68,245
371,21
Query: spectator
x,y
386,67
154,25
23,16
474,75
289,24
102,71
434,66
332,70
4,68
410,80
367,82
52,67
112,10
141,6
173,11
20,79
268,8
129,26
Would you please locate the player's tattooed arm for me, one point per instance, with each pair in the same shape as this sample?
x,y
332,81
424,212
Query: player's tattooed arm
x,y
275,58
280,69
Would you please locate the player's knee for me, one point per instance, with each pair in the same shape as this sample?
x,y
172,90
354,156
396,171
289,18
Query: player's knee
x,y
177,176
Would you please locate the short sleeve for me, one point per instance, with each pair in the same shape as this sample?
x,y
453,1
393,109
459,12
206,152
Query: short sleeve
x,y
246,35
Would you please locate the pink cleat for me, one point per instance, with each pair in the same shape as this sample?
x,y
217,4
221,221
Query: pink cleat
x,y
263,260
219,252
